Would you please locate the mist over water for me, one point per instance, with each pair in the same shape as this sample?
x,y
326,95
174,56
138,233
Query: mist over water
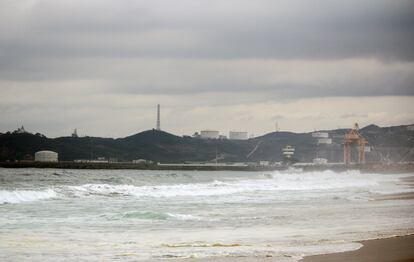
x,y
52,215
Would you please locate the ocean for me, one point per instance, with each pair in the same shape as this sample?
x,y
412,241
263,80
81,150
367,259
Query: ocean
x,y
136,215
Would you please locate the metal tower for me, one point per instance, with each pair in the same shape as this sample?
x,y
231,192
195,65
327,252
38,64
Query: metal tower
x,y
158,118
354,137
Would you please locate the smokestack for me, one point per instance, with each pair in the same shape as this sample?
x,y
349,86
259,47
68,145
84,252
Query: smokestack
x,y
158,118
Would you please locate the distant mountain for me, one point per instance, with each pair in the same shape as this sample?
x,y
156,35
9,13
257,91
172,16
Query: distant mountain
x,y
388,144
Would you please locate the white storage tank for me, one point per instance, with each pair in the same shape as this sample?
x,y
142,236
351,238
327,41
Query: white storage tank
x,y
46,156
238,135
212,134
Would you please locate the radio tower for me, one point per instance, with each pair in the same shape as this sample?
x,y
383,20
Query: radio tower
x,y
158,118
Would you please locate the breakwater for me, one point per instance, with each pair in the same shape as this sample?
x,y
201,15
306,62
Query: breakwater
x,y
365,168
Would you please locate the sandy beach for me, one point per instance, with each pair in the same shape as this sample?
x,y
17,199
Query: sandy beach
x,y
396,249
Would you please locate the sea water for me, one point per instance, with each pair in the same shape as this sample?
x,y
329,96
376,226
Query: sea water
x,y
133,215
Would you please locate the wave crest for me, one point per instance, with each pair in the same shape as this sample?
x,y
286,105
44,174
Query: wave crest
x,y
148,215
18,196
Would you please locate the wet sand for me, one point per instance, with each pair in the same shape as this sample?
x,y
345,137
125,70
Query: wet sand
x,y
397,196
396,249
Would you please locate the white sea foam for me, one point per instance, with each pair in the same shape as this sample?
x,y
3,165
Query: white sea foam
x,y
207,189
148,215
18,196
218,214
278,181
184,217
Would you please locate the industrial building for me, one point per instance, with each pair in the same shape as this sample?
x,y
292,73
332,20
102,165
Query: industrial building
x,y
320,135
325,141
320,161
238,135
46,156
288,152
209,134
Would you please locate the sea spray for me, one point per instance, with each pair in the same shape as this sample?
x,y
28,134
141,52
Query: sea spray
x,y
18,196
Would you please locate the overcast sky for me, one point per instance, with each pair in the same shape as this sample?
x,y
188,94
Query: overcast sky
x,y
103,66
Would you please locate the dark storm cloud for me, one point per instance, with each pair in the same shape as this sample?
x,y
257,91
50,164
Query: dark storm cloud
x,y
209,29
179,46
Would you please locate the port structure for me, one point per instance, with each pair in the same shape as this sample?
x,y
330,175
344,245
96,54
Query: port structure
x,y
353,137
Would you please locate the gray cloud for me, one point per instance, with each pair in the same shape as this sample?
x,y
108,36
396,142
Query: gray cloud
x,y
96,58
209,29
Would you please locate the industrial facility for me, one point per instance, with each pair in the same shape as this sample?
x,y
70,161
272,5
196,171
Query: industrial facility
x,y
288,152
353,137
209,134
238,135
322,138
46,156
320,134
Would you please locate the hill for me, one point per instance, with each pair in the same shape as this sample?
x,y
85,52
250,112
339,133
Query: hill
x,y
388,144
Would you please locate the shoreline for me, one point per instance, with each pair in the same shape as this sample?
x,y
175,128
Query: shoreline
x,y
338,167
391,249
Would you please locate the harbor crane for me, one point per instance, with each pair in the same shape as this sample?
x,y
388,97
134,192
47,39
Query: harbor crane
x,y
351,138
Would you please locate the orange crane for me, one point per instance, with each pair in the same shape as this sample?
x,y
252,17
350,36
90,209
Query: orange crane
x,y
354,137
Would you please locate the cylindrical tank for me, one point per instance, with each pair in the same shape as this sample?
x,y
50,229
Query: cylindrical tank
x,y
46,156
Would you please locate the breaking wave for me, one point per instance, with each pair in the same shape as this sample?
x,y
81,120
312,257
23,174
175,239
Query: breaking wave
x,y
159,216
277,181
18,196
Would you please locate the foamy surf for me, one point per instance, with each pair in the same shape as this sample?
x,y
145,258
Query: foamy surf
x,y
18,196
278,181
131,215
148,215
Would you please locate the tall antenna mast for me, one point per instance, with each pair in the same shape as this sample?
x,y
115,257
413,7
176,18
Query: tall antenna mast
x,y
158,118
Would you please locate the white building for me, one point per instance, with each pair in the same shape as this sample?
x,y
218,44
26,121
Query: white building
x,y
288,151
320,161
320,135
139,161
326,141
264,163
410,128
238,135
211,134
46,156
